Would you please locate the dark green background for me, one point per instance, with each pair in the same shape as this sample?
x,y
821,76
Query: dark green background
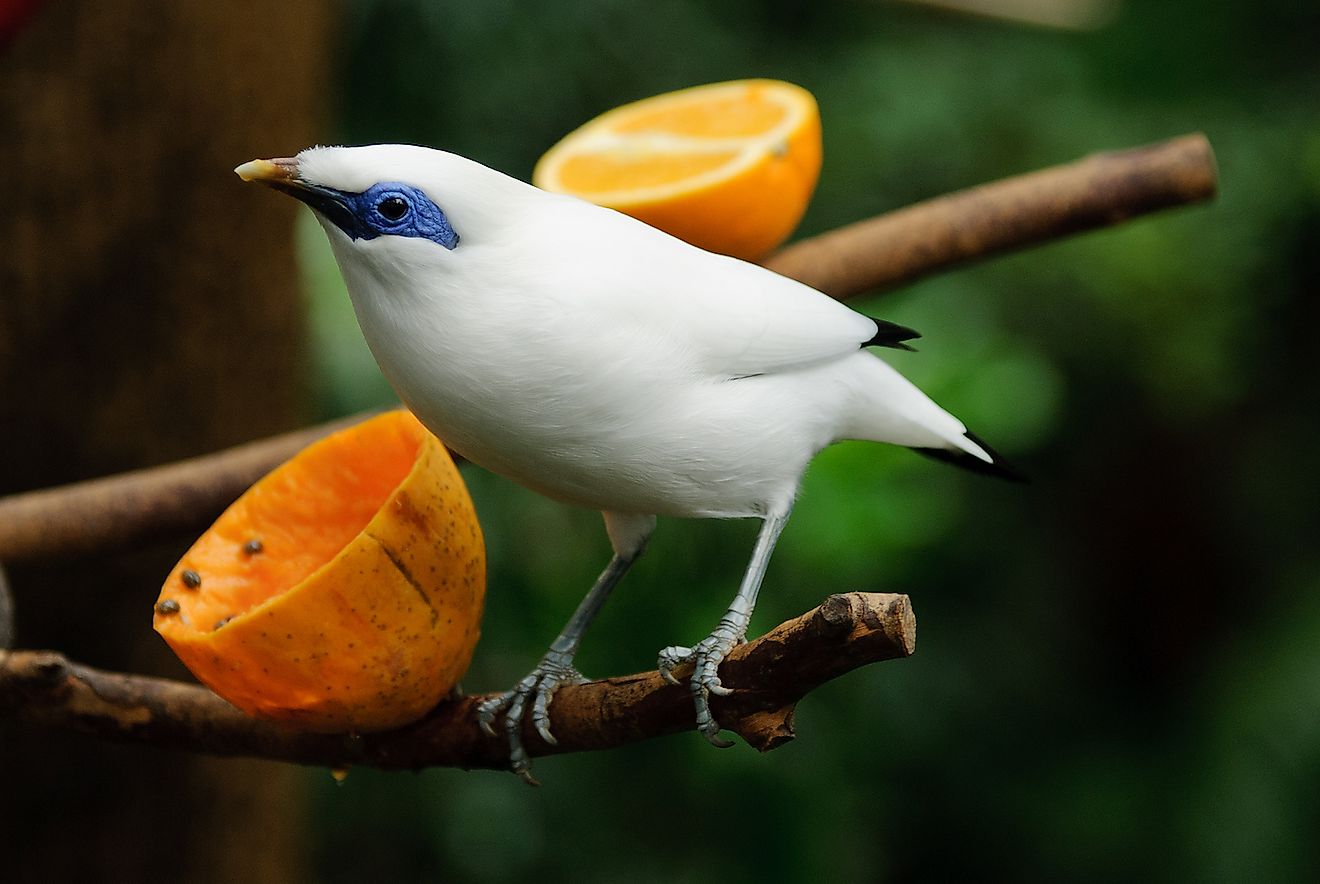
x,y
1118,675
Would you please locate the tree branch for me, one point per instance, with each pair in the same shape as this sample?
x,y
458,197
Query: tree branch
x,y
6,613
1096,191
769,676
117,511
880,253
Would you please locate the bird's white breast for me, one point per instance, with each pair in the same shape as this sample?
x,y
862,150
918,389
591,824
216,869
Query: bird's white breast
x,y
527,368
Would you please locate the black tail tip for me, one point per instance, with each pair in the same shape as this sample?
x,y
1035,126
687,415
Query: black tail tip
x,y
890,334
998,466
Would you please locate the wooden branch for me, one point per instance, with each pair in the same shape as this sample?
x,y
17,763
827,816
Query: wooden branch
x,y
6,613
117,511
880,253
769,676
1014,213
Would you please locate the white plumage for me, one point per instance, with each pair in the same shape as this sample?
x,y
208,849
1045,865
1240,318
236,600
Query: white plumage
x,y
601,362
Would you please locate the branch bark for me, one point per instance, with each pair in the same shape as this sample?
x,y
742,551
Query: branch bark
x,y
1095,191
6,612
769,676
117,511
881,253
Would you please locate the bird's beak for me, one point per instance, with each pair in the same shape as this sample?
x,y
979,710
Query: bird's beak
x,y
282,173
281,170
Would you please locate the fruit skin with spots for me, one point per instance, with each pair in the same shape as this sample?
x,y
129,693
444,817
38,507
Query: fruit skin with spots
x,y
362,607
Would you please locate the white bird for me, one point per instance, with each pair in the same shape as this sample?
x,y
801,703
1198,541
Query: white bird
x,y
603,363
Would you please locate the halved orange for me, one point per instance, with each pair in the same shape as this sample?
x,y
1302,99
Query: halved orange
x,y
343,591
728,167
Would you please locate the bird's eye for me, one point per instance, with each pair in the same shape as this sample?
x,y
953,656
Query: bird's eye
x,y
392,208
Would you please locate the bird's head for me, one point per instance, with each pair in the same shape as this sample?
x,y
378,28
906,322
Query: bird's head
x,y
396,204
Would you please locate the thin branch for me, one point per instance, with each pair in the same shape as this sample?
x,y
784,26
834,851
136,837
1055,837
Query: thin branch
x,y
117,511
1014,213
769,676
880,253
6,613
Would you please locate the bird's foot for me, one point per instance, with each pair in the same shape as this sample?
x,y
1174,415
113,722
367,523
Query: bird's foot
x,y
706,657
554,670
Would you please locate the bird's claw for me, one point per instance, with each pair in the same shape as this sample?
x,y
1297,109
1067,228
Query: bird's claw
x,y
705,657
554,670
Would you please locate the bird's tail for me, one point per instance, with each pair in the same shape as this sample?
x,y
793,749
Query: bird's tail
x,y
996,466
892,409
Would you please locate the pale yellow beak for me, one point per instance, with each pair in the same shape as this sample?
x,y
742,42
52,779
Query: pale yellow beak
x,y
278,170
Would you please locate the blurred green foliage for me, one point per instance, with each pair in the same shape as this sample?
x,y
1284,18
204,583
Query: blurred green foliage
x,y
1119,667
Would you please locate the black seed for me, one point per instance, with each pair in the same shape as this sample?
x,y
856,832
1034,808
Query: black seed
x,y
167,606
252,547
191,578
223,621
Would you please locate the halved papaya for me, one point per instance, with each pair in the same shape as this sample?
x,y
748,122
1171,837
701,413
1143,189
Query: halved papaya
x,y
341,592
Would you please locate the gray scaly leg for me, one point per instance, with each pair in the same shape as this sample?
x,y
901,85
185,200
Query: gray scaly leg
x,y
708,653
628,534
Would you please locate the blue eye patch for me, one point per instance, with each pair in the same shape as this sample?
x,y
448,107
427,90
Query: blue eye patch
x,y
390,208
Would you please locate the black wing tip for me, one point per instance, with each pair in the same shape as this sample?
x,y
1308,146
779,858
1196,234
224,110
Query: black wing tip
x,y
998,466
891,334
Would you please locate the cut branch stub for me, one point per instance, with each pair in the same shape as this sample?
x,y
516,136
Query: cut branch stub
x,y
769,675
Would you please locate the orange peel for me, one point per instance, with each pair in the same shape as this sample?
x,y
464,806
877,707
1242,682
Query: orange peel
x,y
729,167
341,592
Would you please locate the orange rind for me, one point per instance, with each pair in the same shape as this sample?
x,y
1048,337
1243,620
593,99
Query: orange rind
x,y
729,167
343,591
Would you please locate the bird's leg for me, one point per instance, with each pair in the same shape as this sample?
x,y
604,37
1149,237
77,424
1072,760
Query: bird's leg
x,y
708,653
628,534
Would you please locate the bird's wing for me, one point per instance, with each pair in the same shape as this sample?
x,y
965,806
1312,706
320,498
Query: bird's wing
x,y
745,320
733,318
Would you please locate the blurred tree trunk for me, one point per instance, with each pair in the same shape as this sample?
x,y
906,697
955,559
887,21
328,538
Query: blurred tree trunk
x,y
148,311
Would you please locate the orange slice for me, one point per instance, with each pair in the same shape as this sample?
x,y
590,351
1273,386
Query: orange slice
x,y
728,167
341,592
